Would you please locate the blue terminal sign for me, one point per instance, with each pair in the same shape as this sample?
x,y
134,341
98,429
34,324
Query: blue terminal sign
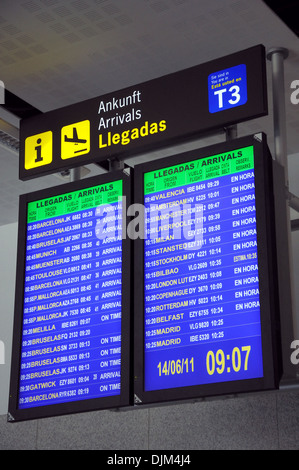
x,y
71,334
227,88
207,293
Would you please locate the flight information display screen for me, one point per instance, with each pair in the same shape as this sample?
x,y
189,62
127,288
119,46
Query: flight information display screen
x,y
202,274
71,330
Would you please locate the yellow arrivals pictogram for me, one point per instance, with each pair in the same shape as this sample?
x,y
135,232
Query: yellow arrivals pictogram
x,y
75,139
38,150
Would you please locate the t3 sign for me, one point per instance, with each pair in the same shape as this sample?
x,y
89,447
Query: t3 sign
x,y
157,113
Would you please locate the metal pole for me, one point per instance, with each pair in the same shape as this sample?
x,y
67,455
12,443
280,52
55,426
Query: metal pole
x,y
75,174
277,55
231,132
116,164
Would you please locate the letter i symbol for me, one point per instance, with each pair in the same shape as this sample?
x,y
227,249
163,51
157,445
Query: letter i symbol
x,y
38,149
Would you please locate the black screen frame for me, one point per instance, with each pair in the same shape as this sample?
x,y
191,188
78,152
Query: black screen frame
x,y
267,263
124,399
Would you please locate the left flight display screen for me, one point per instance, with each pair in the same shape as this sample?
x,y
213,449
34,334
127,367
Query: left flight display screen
x,y
72,305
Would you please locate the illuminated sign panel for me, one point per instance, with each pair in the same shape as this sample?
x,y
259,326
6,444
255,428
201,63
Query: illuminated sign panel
x,y
152,114
207,303
227,88
72,300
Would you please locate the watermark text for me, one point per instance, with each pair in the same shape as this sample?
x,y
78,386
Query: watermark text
x,y
152,222
295,354
295,94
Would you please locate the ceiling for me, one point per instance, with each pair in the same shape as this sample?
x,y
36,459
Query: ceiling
x,y
54,53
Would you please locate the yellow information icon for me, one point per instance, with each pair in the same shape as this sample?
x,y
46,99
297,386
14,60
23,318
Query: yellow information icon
x,y
38,150
75,139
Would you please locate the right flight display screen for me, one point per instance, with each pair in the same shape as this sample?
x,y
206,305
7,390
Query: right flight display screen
x,y
204,293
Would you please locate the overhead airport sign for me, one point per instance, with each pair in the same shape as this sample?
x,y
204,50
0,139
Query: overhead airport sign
x,y
152,114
